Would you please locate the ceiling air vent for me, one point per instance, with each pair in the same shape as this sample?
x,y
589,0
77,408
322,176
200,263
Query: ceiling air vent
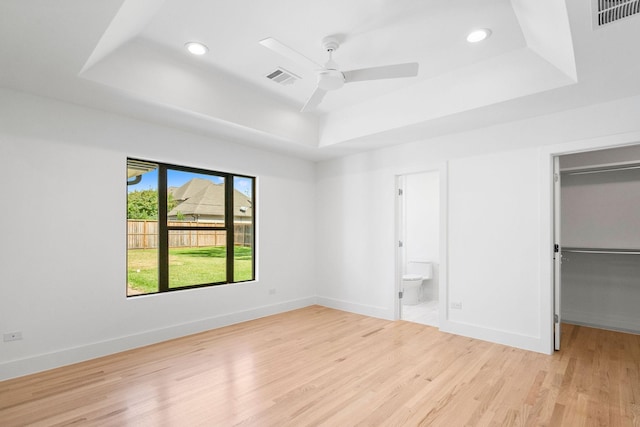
x,y
609,11
284,77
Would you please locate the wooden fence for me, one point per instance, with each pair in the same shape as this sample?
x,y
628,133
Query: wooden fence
x,y
143,234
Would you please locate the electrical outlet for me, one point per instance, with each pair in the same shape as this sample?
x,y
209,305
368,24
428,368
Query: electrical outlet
x,y
456,305
272,291
12,336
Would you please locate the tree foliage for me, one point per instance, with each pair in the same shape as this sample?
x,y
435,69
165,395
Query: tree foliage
x,y
143,204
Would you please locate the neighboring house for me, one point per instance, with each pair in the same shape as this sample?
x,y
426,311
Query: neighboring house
x,y
203,200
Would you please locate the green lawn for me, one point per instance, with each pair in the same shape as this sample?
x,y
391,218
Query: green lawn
x,y
187,266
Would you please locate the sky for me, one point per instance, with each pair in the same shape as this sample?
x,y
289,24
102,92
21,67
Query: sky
x,y
179,178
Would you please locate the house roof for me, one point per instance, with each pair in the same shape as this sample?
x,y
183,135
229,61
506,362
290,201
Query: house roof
x,y
193,187
202,197
128,56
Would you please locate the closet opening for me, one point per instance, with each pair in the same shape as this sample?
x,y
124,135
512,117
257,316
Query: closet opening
x,y
597,238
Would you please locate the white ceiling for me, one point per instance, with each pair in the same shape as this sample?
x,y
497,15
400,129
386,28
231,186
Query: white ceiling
x,y
372,33
128,56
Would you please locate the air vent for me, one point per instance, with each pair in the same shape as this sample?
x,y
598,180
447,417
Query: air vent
x,y
609,11
282,76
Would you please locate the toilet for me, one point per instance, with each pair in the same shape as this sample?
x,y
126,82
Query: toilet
x,y
417,271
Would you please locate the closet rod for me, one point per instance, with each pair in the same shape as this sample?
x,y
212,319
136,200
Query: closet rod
x,y
602,251
584,171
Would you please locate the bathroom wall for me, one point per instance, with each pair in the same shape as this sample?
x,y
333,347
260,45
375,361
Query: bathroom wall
x,y
422,224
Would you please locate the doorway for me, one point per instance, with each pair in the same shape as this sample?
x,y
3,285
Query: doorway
x,y
419,246
597,258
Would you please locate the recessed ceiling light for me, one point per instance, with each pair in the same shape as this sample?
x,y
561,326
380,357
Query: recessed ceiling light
x,y
478,35
196,48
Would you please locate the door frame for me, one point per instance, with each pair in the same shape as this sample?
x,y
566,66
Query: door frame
x,y
399,249
547,159
557,252
443,276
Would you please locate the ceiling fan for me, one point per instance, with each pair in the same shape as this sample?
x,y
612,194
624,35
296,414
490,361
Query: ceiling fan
x,y
330,77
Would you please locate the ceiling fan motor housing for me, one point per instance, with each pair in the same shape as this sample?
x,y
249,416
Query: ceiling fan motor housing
x,y
330,44
330,79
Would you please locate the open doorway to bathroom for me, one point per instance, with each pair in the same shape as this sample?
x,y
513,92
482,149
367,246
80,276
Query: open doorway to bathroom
x,y
419,246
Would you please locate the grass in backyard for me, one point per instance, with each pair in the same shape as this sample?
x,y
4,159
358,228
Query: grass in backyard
x,y
187,266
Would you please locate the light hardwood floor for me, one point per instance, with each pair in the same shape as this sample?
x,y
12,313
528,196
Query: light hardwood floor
x,y
317,366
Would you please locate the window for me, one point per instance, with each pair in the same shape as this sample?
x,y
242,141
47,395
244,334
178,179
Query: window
x,y
187,227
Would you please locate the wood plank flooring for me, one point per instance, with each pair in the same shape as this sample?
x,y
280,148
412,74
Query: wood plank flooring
x,y
318,366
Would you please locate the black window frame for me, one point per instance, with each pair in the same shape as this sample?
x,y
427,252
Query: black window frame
x,y
164,228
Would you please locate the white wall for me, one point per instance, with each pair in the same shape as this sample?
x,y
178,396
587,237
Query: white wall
x,y
422,216
499,221
494,249
63,253
356,235
494,224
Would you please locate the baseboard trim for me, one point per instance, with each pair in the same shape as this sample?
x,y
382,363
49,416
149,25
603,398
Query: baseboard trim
x,y
366,310
603,321
524,342
44,362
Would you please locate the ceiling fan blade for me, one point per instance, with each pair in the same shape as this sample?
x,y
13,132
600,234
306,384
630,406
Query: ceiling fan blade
x,y
284,50
409,69
314,100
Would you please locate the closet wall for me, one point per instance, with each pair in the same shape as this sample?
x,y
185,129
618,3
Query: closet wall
x,y
600,226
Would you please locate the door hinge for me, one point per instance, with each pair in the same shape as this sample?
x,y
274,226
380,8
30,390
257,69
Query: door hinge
x,y
400,244
400,192
400,294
